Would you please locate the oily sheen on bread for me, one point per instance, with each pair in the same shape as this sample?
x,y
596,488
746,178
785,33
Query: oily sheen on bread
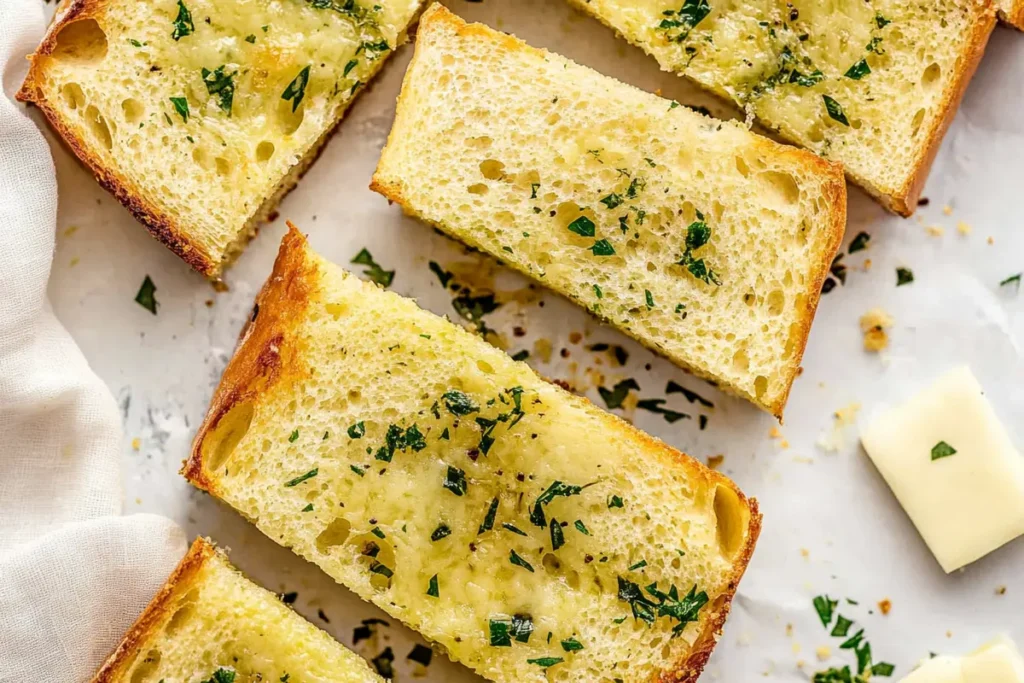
x,y
527,533
873,85
200,115
210,623
699,239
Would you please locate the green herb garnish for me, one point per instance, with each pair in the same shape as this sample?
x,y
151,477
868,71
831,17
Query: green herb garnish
x,y
373,269
691,396
183,25
572,645
545,662
835,110
488,522
904,276
146,296
859,242
515,559
602,248
442,531
654,405
556,489
303,477
357,431
859,70
432,588
420,654
1012,280
557,537
615,502
455,480
181,106
459,403
942,450
294,436
295,91
825,606
581,527
612,200
677,24
614,397
221,84
582,226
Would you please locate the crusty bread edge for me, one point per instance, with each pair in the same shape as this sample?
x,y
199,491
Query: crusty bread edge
x,y
163,227
156,612
904,200
834,190
1015,17
262,357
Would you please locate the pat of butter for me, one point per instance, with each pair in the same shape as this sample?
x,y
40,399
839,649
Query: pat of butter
x,y
967,503
996,662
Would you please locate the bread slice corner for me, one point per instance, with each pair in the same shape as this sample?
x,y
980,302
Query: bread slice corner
x,y
200,116
1012,12
182,634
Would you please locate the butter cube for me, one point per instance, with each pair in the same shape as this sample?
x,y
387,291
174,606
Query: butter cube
x,y
996,662
952,466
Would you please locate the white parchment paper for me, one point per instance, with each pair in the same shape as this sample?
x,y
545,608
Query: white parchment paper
x,y
831,525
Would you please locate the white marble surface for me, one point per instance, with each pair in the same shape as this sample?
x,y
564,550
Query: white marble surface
x,y
831,525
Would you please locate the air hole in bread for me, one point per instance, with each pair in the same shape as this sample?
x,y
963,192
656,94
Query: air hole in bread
x,y
288,121
918,120
147,667
333,535
776,302
485,367
492,169
200,156
478,189
482,142
760,385
337,311
223,166
740,360
741,166
784,186
98,125
729,518
73,95
220,442
931,74
81,42
186,607
374,551
264,151
133,110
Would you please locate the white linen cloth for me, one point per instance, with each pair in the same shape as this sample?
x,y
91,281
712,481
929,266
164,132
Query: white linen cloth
x,y
74,573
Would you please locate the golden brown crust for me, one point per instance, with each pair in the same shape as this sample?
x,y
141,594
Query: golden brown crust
x,y
160,225
904,202
265,349
156,613
1014,17
252,371
830,172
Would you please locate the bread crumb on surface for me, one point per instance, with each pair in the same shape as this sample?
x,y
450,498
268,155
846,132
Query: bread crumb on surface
x,y
873,324
136,443
805,553
774,433
833,440
885,605
1001,590
74,262
715,461
963,228
948,210
70,230
824,653
935,230
991,240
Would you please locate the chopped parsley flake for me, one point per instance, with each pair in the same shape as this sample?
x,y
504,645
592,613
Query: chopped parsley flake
x,y
488,522
835,110
904,276
557,536
1012,280
677,24
181,106
373,269
697,235
221,84
294,436
513,529
352,63
459,403
296,90
503,630
581,527
571,645
556,489
455,480
303,477
183,26
614,397
825,606
382,569
583,227
614,502
612,200
602,248
691,396
654,405
432,588
860,242
146,295
443,275
357,431
442,531
859,70
545,662
649,298
533,190
942,450
515,559
222,675
420,654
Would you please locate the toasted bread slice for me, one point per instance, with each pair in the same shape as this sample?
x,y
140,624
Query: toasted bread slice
x,y
1012,12
210,623
200,115
531,535
701,240
871,84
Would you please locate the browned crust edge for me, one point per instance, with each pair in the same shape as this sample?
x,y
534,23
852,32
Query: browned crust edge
x,y
1015,17
160,225
261,355
834,189
287,292
904,202
156,612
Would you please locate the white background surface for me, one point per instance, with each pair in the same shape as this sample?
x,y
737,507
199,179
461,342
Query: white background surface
x,y
830,523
